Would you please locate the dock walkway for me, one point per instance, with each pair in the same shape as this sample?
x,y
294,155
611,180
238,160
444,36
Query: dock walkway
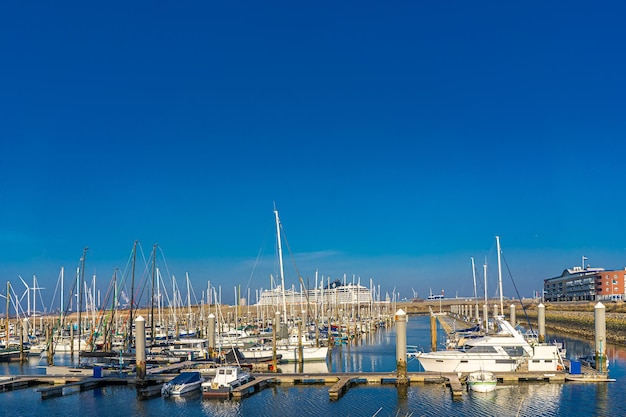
x,y
339,383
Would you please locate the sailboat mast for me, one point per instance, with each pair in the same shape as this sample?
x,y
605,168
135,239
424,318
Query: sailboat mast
x,y
474,276
280,263
6,321
62,309
500,275
152,334
81,277
132,296
485,275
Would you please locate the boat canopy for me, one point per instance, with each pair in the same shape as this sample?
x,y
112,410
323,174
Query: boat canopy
x,y
186,378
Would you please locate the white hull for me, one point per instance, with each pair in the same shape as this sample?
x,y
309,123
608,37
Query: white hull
x,y
453,361
185,382
185,388
482,381
290,354
483,387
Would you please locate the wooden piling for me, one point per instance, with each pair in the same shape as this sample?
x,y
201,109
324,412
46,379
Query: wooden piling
x,y
433,332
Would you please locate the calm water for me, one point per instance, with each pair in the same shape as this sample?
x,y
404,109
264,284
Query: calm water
x,y
374,354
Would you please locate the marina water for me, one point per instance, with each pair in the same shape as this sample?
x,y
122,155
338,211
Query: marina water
x,y
373,353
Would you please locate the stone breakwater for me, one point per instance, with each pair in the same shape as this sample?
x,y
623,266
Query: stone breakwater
x,y
573,318
582,324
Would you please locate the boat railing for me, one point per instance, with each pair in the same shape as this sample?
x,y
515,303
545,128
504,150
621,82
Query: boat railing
x,y
413,350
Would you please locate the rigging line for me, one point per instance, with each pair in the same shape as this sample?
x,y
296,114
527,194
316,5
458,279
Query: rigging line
x,y
143,280
518,296
167,268
256,262
293,259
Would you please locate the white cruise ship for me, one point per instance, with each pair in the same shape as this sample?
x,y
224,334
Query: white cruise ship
x,y
336,293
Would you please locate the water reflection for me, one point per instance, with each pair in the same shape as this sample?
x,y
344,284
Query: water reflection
x,y
306,368
217,407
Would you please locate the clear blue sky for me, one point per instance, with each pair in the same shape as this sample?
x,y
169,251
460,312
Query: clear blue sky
x,y
396,139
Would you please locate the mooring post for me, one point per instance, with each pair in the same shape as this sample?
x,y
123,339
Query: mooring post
x,y
400,319
140,347
541,322
211,335
486,317
72,340
275,332
300,355
512,313
49,346
433,332
600,330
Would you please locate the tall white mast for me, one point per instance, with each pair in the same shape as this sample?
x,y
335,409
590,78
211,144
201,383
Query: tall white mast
x,y
485,274
500,275
474,276
280,263
62,273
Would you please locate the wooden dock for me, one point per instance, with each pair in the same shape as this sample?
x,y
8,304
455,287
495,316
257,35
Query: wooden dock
x,y
13,383
339,383
83,384
257,384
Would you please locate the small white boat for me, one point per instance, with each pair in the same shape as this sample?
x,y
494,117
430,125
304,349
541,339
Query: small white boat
x,y
226,379
182,384
482,381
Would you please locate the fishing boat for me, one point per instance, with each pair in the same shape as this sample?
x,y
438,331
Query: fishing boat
x,y
182,384
482,381
227,378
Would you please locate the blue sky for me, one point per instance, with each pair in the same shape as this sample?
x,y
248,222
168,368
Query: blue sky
x,y
397,140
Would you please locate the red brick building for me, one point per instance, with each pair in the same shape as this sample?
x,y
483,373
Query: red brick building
x,y
610,285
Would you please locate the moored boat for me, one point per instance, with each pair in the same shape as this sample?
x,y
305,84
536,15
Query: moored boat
x,y
226,379
482,381
503,352
182,384
10,354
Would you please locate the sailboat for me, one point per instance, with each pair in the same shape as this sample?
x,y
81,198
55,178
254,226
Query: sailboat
x,y
296,347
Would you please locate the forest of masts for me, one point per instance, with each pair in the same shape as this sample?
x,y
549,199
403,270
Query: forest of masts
x,y
84,315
